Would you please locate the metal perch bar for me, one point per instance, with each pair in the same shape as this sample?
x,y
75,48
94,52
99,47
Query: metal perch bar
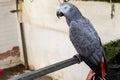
x,y
46,70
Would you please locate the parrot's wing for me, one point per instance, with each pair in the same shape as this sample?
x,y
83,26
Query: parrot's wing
x,y
87,43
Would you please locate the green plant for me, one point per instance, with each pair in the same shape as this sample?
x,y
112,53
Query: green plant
x,y
111,49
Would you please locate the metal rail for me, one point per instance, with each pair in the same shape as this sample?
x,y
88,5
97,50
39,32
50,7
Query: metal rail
x,y
46,70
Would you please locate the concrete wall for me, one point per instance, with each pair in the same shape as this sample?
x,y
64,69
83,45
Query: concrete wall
x,y
48,39
9,51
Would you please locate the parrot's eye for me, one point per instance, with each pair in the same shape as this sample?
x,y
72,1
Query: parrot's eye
x,y
65,7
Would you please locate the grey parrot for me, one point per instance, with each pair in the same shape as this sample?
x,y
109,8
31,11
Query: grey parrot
x,y
84,38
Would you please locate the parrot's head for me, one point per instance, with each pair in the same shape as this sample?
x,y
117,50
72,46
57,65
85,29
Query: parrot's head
x,y
68,10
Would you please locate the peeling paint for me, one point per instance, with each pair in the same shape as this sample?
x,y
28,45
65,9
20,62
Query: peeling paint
x,y
10,58
13,52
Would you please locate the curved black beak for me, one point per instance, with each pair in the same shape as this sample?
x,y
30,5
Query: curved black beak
x,y
59,14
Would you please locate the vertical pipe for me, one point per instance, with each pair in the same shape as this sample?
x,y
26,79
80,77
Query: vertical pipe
x,y
22,32
24,45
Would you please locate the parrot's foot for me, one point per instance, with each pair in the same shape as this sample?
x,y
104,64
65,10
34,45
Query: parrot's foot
x,y
90,75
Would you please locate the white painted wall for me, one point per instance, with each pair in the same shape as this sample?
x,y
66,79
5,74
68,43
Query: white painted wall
x,y
8,32
8,26
48,40
5,1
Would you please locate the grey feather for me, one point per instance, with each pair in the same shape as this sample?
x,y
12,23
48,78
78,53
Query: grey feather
x,y
84,37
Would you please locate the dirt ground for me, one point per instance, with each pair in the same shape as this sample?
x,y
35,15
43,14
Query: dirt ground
x,y
17,70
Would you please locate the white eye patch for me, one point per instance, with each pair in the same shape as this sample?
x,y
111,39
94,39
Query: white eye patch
x,y
65,7
68,8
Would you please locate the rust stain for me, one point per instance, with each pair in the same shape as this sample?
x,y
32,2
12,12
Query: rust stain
x,y
13,52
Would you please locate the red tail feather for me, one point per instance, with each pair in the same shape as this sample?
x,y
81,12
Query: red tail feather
x,y
102,68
